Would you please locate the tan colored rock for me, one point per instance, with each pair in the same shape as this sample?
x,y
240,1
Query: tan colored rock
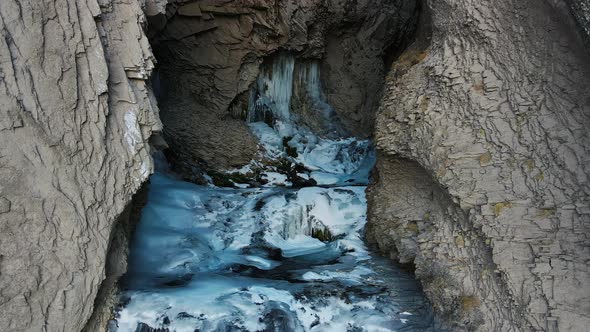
x,y
75,117
498,156
482,177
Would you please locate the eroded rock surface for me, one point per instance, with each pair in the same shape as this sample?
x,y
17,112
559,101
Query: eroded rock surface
x,y
76,114
482,178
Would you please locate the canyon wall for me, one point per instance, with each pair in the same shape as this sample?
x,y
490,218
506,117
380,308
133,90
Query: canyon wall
x,y
483,165
76,114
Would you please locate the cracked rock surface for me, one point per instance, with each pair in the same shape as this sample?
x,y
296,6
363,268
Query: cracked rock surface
x,y
482,174
76,114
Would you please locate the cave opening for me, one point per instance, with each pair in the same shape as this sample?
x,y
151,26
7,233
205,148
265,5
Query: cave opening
x,y
255,217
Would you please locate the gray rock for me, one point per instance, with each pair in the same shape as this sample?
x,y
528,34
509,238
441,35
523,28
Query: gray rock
x,y
4,205
482,178
76,114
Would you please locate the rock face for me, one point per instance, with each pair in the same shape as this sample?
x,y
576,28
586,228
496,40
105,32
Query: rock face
x,y
76,114
209,55
482,174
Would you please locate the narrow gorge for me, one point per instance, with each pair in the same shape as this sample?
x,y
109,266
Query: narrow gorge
x,y
278,165
280,248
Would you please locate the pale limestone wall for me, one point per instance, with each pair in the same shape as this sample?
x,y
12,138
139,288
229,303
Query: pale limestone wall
x,y
75,118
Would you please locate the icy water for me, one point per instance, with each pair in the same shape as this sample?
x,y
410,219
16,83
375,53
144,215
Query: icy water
x,y
275,256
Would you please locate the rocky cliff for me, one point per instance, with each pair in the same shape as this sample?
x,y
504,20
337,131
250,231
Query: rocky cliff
x,y
76,113
482,174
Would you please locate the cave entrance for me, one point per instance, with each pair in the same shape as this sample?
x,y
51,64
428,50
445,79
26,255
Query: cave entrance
x,y
209,56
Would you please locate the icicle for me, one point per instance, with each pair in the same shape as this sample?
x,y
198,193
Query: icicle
x,y
273,92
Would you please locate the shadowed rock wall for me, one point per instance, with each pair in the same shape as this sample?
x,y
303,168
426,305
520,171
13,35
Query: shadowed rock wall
x,y
210,52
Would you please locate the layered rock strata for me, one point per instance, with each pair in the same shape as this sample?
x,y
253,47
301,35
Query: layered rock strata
x,y
482,174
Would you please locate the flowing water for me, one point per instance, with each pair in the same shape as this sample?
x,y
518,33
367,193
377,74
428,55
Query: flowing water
x,y
286,255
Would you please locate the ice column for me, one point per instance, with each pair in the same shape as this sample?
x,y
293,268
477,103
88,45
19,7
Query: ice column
x,y
273,90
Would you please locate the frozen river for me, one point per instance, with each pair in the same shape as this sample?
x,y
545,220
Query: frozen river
x,y
285,255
